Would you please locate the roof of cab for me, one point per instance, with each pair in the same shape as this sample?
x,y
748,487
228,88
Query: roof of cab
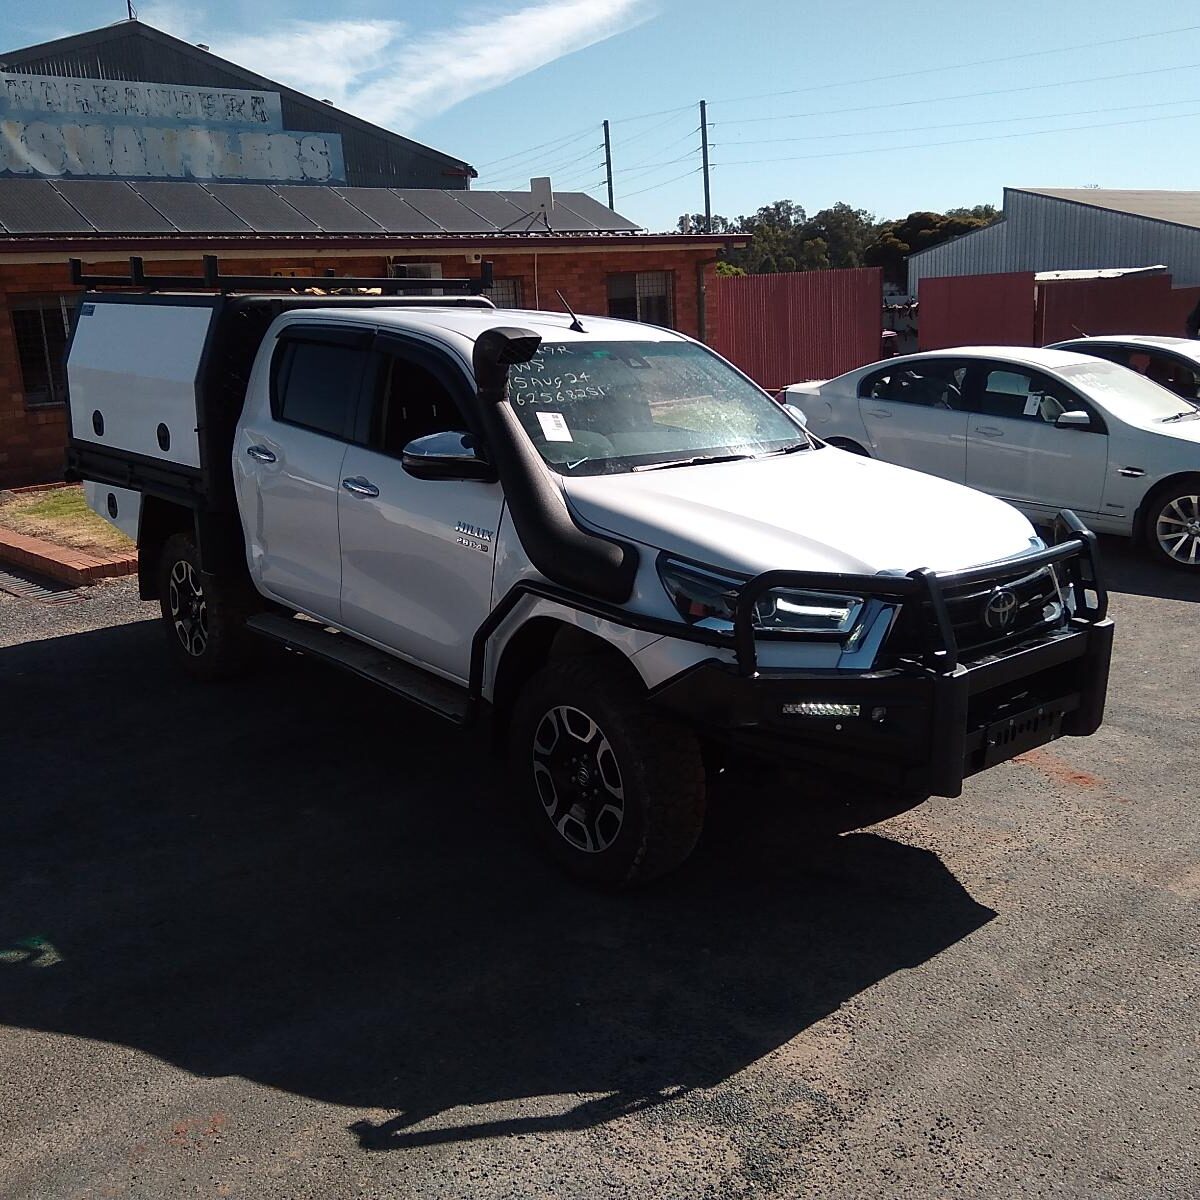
x,y
1030,356
469,323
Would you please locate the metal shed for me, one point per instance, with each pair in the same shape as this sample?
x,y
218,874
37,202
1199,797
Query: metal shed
x,y
1067,229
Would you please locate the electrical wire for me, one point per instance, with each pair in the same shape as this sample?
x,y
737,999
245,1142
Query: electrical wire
x,y
979,62
998,137
1030,87
559,142
1083,112
653,187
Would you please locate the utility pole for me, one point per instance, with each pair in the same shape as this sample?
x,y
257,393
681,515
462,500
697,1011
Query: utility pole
x,y
608,162
704,157
131,10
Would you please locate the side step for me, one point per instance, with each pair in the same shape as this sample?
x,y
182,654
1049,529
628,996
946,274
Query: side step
x,y
397,676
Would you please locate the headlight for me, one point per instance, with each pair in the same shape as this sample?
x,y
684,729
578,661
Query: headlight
x,y
707,597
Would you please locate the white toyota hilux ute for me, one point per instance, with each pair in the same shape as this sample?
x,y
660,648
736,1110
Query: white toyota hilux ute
x,y
596,534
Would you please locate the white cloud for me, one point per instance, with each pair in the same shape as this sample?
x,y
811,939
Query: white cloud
x,y
371,68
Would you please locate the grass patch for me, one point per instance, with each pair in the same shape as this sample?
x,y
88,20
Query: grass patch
x,y
61,516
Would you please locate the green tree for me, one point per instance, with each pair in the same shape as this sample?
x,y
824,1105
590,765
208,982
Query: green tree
x,y
895,240
845,233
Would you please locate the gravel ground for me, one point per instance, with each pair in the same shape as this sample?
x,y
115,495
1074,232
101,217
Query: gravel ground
x,y
279,939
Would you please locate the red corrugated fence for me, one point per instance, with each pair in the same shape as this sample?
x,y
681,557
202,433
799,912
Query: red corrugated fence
x,y
977,310
787,328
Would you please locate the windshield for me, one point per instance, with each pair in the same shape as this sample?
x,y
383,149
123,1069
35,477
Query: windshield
x,y
594,408
1125,393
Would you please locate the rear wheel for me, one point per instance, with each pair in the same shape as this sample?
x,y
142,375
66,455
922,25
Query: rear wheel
x,y
614,790
1173,524
204,626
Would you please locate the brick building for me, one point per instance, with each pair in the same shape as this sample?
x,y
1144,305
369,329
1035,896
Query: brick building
x,y
126,141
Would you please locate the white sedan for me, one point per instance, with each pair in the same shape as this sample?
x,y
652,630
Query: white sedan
x,y
1044,429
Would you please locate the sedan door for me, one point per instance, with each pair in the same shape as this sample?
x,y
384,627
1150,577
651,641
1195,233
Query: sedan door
x,y
288,465
1015,449
915,415
417,554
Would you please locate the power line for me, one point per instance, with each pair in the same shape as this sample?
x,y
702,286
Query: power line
x,y
979,62
1082,112
560,142
745,162
1031,87
562,166
654,186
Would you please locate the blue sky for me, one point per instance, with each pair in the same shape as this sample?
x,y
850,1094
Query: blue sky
x,y
491,80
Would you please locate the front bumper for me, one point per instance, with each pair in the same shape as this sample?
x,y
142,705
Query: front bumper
x,y
917,729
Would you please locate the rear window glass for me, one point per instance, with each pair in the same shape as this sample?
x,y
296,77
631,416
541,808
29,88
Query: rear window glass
x,y
317,385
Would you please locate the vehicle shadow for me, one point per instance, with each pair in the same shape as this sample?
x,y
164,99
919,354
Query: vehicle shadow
x,y
297,880
1129,568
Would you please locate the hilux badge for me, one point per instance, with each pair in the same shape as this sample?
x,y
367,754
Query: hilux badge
x,y
1000,609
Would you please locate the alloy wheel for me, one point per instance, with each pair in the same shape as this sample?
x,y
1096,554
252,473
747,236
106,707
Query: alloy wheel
x,y
1178,530
578,779
189,610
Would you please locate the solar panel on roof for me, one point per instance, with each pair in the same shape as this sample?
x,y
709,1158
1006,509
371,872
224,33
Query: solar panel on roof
x,y
190,208
327,209
562,219
112,206
592,210
497,208
384,206
445,210
261,208
33,206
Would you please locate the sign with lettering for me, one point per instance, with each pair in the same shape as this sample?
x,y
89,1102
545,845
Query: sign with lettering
x,y
111,129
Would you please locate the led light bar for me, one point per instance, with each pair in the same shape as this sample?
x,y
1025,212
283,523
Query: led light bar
x,y
820,708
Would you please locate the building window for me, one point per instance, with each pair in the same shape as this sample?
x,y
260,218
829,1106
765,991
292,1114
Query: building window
x,y
42,325
645,296
504,293
403,269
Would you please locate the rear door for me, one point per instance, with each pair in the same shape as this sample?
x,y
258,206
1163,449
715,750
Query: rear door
x,y
915,415
1015,450
417,554
288,464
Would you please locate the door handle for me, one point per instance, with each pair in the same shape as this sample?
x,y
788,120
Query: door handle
x,y
360,486
878,412
260,453
989,431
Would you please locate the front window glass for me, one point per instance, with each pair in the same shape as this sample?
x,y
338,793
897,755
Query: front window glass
x,y
1125,393
595,408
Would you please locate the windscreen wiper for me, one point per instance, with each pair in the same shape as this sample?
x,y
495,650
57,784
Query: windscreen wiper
x,y
692,462
788,449
1187,412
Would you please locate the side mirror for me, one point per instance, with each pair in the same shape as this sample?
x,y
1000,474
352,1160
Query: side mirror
x,y
1075,419
446,456
799,414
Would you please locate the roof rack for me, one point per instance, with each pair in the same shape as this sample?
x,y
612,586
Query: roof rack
x,y
213,280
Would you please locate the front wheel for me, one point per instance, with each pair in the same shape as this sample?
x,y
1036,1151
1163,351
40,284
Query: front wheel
x,y
204,625
613,789
1173,524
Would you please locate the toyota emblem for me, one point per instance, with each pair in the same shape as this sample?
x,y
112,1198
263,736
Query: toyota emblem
x,y
1000,609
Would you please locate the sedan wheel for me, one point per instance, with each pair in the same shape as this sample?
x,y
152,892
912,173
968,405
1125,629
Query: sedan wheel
x,y
1176,529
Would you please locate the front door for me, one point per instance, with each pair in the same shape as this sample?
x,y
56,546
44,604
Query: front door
x,y
417,554
288,457
915,416
1016,451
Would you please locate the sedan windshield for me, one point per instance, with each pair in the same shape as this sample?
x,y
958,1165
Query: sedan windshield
x,y
594,408
1125,393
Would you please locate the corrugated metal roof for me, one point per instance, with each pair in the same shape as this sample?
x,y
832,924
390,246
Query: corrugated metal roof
x,y
1178,208
135,51
75,206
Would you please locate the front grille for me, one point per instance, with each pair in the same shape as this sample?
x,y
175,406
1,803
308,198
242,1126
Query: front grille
x,y
1036,604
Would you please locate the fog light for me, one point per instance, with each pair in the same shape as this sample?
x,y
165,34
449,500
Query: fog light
x,y
820,708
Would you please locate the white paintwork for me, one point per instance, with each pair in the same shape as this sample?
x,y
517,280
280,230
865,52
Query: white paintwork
x,y
289,507
815,510
1039,468
136,364
410,579
129,506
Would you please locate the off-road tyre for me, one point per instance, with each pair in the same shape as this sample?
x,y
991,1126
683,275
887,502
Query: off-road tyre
x,y
203,620
655,761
